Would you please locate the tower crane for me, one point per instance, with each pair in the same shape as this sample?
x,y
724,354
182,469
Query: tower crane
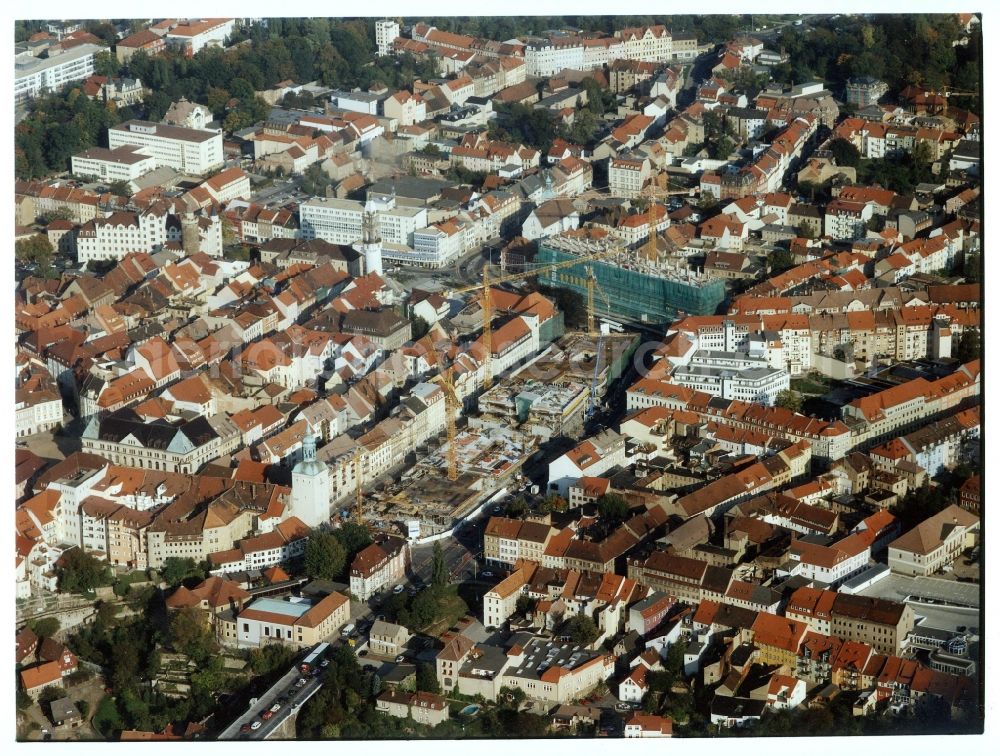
x,y
451,408
654,192
486,301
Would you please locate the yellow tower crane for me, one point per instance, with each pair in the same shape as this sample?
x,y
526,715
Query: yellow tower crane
x,y
486,301
654,191
451,404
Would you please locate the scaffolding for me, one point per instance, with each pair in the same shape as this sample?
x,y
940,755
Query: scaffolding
x,y
636,289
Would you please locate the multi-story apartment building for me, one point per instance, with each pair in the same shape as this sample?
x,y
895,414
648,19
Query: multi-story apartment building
x,y
378,566
33,76
627,177
386,31
882,624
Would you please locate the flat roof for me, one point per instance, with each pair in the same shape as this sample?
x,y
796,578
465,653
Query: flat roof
x,y
276,606
165,131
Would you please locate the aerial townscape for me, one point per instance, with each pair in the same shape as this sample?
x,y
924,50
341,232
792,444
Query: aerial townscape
x,y
493,377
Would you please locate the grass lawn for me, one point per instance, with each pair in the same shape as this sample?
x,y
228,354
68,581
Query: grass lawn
x,y
809,386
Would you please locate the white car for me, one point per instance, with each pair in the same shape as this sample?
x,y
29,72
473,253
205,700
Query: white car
x,y
256,725
398,589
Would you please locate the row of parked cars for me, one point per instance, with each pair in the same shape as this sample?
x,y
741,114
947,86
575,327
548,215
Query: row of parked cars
x,y
283,700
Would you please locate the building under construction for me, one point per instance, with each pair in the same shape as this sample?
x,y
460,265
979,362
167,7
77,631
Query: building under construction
x,y
549,396
630,286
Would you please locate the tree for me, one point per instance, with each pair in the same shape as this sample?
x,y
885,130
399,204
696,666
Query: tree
x,y
779,260
556,503
191,633
176,570
581,630
525,605
79,572
788,399
969,347
420,327
612,507
36,249
120,188
427,678
353,537
518,507
83,707
845,153
50,694
325,557
45,627
439,570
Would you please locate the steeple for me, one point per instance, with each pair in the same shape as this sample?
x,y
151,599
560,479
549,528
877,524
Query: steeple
x,y
309,448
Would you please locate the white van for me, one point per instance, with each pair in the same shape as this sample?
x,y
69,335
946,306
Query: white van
x,y
348,629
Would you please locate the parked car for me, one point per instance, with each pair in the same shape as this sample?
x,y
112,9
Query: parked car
x,y
267,715
325,663
275,707
398,589
363,652
486,574
256,725
301,682
401,658
245,728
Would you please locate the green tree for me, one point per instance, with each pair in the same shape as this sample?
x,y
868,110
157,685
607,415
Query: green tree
x,y
518,507
427,678
176,570
525,605
191,634
35,249
83,707
45,627
79,572
845,153
969,347
612,507
120,188
353,537
325,556
779,260
581,630
439,569
788,399
107,720
420,327
51,694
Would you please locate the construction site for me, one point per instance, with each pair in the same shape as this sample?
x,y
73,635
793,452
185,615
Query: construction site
x,y
635,287
553,394
487,460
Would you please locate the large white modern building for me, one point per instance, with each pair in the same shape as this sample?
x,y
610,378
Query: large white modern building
x,y
185,150
385,32
126,163
32,75
340,221
732,375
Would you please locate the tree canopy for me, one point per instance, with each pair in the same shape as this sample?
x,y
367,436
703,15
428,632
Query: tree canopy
x,y
325,556
581,630
79,572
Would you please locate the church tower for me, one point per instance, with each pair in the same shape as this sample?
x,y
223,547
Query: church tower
x,y
371,243
311,487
